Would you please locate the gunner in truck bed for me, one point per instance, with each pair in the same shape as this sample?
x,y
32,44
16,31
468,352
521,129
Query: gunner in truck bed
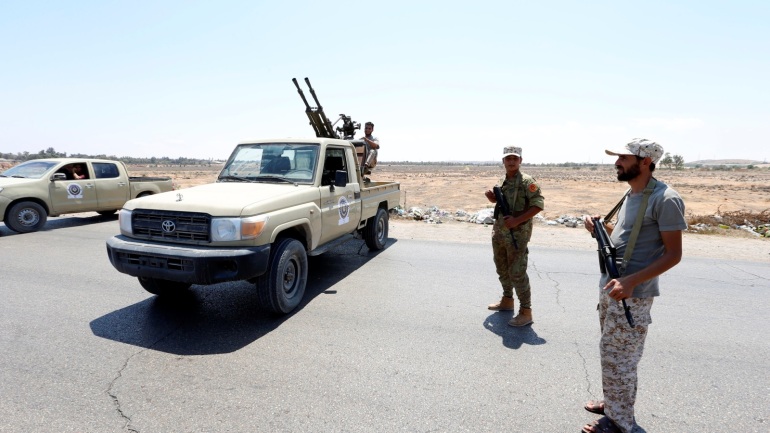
x,y
373,144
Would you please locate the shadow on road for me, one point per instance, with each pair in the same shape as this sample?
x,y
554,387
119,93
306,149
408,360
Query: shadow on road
x,y
221,318
513,336
63,222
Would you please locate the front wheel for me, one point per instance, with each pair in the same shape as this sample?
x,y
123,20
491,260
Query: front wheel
x,y
26,216
159,287
281,289
376,230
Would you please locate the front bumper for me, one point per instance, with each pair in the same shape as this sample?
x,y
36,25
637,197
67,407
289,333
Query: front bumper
x,y
188,264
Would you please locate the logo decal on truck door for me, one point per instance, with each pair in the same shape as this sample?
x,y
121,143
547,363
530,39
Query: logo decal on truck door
x,y
344,211
74,191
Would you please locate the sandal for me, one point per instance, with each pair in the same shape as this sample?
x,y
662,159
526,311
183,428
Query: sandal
x,y
595,406
601,425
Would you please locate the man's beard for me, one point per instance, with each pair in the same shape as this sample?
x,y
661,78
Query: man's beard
x,y
629,174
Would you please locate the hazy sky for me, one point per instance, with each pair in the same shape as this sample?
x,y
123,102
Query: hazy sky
x,y
442,81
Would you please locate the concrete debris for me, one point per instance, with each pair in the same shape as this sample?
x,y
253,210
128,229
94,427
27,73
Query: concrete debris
x,y
434,215
762,230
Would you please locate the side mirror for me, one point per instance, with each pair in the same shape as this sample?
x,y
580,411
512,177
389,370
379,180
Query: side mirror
x,y
58,176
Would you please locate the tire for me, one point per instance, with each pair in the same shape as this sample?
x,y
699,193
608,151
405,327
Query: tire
x,y
106,212
26,216
282,288
376,231
159,287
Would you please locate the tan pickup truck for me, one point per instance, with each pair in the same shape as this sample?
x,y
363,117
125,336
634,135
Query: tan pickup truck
x,y
34,190
274,203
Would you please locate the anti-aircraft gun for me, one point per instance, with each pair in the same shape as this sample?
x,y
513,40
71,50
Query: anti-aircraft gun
x,y
324,128
320,123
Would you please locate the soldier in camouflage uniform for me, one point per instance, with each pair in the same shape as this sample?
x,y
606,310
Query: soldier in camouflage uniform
x,y
658,248
524,201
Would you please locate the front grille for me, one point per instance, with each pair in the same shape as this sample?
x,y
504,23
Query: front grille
x,y
180,227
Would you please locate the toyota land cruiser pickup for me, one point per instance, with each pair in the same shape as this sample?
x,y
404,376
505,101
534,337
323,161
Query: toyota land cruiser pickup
x,y
34,190
274,203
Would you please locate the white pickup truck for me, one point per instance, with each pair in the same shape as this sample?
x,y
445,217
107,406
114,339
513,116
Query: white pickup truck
x,y
34,190
274,203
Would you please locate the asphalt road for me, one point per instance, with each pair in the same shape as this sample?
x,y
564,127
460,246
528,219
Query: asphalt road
x,y
400,340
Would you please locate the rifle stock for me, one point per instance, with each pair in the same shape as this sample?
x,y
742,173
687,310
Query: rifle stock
x,y
607,259
505,209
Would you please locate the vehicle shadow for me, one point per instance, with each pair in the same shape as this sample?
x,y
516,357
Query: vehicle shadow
x,y
513,336
221,318
63,222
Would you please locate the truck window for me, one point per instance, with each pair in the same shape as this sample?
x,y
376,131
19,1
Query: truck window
x,y
334,161
261,161
29,169
105,170
75,171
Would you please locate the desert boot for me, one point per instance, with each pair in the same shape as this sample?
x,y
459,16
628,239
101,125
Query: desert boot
x,y
523,318
505,304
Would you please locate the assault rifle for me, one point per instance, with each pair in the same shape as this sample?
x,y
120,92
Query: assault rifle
x,y
607,259
503,207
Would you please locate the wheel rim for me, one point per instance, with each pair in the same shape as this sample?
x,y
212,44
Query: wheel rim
x,y
28,217
290,277
381,230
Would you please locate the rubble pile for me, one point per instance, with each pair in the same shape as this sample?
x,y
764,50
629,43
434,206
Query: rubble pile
x,y
434,215
761,230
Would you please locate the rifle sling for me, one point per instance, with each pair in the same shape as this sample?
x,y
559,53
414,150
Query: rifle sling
x,y
637,224
617,206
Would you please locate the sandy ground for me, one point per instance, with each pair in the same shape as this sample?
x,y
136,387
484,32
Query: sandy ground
x,y
568,191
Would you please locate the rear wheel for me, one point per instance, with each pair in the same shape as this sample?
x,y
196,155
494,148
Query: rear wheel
x,y
26,216
159,287
376,230
281,289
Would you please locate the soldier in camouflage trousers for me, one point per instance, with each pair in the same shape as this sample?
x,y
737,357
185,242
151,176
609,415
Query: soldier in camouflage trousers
x,y
524,201
656,249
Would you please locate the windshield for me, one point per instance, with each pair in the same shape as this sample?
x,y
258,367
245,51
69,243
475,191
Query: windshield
x,y
294,162
29,169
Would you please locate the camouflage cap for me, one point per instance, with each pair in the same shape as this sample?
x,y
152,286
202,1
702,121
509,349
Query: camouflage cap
x,y
641,147
512,150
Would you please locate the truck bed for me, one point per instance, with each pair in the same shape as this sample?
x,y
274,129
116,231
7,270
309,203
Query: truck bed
x,y
375,193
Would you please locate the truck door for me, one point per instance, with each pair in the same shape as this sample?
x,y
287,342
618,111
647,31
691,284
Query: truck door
x,y
340,205
73,195
112,189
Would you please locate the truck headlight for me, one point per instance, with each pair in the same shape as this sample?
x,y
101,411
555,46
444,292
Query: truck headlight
x,y
234,229
124,219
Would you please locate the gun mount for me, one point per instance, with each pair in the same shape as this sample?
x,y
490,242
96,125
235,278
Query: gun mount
x,y
320,123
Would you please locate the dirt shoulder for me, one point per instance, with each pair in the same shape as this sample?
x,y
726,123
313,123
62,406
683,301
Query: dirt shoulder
x,y
543,235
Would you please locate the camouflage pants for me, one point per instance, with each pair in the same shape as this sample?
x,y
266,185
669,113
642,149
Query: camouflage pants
x,y
621,350
511,264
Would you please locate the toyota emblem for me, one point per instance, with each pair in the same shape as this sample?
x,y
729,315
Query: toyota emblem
x,y
168,226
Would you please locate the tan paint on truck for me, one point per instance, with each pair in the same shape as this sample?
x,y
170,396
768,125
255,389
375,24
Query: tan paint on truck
x,y
48,184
